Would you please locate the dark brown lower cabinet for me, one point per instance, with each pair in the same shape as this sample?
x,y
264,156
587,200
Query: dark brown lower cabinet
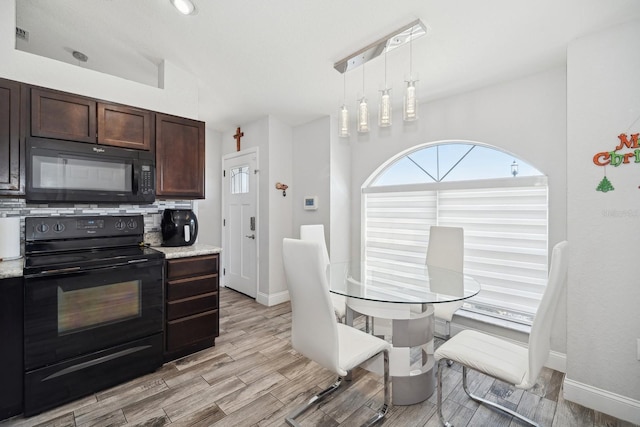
x,y
192,312
11,360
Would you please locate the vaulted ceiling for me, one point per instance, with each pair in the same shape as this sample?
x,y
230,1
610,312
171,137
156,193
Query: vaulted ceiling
x,y
256,57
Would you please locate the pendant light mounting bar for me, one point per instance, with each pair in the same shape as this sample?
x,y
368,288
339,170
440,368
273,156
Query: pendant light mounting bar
x,y
396,39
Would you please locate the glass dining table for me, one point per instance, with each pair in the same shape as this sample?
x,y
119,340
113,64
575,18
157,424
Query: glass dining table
x,y
401,307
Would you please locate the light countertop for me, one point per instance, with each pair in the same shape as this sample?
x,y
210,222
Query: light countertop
x,y
12,268
187,251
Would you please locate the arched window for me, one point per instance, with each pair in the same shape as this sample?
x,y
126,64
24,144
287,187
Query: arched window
x,y
499,200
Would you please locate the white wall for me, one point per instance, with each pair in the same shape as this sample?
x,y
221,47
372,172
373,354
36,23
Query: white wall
x,y
210,209
179,96
322,168
340,188
280,207
526,117
274,142
311,170
604,292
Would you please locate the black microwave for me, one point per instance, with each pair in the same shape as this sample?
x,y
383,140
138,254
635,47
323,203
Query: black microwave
x,y
65,171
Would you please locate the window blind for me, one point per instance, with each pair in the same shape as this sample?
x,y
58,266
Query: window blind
x,y
505,231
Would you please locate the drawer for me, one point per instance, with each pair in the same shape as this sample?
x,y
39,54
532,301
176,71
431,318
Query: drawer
x,y
192,266
189,330
192,305
185,288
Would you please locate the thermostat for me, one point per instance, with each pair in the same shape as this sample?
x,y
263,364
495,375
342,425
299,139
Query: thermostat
x,y
311,203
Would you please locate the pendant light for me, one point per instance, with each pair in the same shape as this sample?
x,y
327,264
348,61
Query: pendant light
x,y
343,115
384,112
363,110
410,104
392,41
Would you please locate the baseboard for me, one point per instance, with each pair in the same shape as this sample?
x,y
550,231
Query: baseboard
x,y
603,401
272,299
557,361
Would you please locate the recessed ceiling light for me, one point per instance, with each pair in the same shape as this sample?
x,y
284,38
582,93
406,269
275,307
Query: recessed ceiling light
x,y
185,7
80,56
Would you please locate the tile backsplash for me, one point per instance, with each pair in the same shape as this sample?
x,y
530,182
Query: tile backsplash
x,y
152,212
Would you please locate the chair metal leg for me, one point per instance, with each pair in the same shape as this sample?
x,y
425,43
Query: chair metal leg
x,y
290,419
387,395
493,404
439,404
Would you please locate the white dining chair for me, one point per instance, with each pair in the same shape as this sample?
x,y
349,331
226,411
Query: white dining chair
x,y
315,332
502,359
315,233
446,250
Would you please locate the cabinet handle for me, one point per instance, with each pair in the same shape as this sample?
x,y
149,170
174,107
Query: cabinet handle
x,y
252,236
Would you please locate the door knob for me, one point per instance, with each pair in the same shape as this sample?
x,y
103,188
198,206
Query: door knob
x,y
253,236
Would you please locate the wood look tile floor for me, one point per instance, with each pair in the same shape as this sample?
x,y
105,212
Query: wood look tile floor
x,y
252,377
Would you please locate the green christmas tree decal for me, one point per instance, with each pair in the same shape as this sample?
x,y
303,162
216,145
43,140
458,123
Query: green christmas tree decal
x,y
605,185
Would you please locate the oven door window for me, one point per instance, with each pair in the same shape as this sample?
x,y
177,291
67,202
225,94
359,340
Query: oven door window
x,y
67,315
71,173
87,308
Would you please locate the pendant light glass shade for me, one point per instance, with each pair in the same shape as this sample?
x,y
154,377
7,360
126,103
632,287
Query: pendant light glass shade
x,y
343,115
384,112
363,110
410,105
343,122
363,116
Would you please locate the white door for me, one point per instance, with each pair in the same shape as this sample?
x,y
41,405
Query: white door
x,y
240,222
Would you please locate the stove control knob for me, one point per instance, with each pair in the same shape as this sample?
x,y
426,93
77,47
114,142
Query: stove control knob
x,y
58,227
42,228
132,224
120,225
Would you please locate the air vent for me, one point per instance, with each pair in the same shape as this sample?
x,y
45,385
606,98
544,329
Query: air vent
x,y
22,34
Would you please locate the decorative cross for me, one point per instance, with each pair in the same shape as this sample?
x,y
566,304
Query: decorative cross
x,y
237,137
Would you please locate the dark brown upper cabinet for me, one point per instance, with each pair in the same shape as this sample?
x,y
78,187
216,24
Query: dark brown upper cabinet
x,y
123,126
11,174
62,116
71,117
179,157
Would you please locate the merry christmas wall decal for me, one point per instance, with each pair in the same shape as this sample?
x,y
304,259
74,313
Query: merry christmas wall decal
x,y
615,159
